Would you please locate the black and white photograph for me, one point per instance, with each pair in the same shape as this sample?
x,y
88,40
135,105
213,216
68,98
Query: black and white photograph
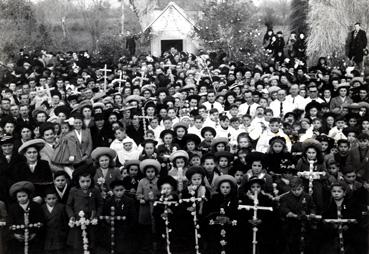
x,y
184,127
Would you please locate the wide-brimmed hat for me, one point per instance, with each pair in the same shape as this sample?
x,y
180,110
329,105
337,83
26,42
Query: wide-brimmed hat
x,y
132,162
133,98
62,109
224,178
179,154
192,137
22,185
6,140
99,151
253,180
194,170
226,154
37,143
150,162
255,156
167,179
219,140
311,142
208,128
180,124
165,132
277,139
36,111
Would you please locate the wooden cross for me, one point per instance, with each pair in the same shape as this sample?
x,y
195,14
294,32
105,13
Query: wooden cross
x,y
83,223
167,204
111,219
255,207
311,175
105,70
223,220
340,222
194,202
304,218
26,226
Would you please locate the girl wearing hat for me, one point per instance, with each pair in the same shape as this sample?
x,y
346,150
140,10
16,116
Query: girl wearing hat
x,y
180,130
223,207
277,153
219,144
167,148
179,160
106,172
33,169
147,193
132,178
22,193
313,157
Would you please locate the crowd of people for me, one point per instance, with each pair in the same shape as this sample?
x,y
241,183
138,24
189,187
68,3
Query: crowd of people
x,y
173,154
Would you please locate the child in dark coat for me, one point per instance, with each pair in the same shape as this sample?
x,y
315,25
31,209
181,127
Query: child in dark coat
x,y
56,225
295,207
22,191
124,227
84,197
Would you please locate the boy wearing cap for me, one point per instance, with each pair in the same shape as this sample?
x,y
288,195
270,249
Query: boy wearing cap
x,y
358,158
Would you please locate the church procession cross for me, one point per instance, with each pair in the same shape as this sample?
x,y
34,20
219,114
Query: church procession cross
x,y
165,216
311,175
83,223
26,227
111,219
255,207
105,70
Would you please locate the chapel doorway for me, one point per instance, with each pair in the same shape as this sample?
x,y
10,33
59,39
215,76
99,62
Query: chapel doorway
x,y
167,44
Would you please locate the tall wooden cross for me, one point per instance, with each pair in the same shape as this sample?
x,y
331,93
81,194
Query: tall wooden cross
x,y
144,118
340,222
311,175
196,225
83,223
26,227
105,70
255,207
111,219
167,204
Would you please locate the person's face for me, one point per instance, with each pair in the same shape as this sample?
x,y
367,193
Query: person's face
x,y
365,125
220,147
350,177
172,113
363,94
343,148
223,162
211,97
357,27
363,143
246,121
255,188
209,165
277,147
313,92
9,128
78,124
297,191
235,124
49,136
198,123
337,193
51,199
313,112
311,154
224,123
149,148
333,169
248,98
133,171
196,179
5,104
244,143
274,127
65,128
195,161
180,132
208,136
31,154
22,197
163,112
343,92
84,182
256,167
281,95
166,189
327,94
87,112
352,122
118,191
168,139
127,146
7,148
14,110
324,146
112,119
150,173
60,182
225,188
180,163
104,161
330,120
239,176
340,124
191,146
294,90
